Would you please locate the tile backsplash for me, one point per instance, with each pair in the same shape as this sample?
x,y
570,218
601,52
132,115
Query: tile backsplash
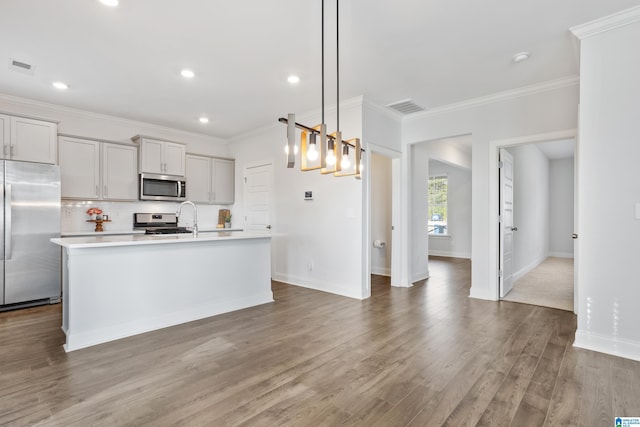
x,y
73,214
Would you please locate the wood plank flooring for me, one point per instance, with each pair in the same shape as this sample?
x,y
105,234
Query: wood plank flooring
x,y
421,356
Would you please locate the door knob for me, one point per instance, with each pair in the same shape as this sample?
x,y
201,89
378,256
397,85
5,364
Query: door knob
x,y
514,228
268,227
574,236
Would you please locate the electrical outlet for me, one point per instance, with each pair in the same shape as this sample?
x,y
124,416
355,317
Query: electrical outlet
x,y
67,212
309,266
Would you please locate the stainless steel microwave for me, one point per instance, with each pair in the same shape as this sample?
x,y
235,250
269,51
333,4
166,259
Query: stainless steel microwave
x,y
162,187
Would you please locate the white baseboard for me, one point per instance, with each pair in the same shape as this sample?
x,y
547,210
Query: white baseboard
x,y
381,271
523,271
480,294
607,345
561,254
319,285
449,254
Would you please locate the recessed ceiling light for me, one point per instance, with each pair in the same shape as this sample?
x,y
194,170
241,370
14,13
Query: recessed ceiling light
x,y
293,79
60,85
186,73
110,3
521,56
203,120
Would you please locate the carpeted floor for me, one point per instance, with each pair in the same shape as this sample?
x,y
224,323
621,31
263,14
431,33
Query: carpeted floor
x,y
550,285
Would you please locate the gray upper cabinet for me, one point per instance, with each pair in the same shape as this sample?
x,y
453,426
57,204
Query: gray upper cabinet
x,y
161,157
210,179
97,170
28,140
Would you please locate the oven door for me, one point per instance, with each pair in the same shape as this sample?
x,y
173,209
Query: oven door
x,y
162,187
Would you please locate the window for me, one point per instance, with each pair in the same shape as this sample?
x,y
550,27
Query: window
x,y
438,205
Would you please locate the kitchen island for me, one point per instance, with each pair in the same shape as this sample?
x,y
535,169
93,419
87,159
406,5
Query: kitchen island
x,y
115,286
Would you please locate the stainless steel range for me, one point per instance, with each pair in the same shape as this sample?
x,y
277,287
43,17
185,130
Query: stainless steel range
x,y
158,223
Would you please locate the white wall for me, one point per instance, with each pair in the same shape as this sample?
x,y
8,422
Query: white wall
x,y
458,242
561,177
542,109
530,208
609,183
325,234
380,176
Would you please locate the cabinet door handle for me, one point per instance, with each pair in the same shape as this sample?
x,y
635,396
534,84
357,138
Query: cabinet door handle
x,y
12,151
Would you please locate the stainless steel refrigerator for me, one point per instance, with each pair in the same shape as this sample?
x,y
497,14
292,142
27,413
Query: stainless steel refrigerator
x,y
29,217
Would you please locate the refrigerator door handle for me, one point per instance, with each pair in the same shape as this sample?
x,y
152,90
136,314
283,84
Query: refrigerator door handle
x,y
7,222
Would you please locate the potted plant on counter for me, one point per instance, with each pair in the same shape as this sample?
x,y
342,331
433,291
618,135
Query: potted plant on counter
x,y
227,221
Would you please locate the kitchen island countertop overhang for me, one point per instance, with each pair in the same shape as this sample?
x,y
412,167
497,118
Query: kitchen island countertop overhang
x,y
115,286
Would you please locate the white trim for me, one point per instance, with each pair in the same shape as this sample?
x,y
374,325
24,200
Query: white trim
x,y
607,23
392,114
561,254
419,276
500,96
448,254
356,101
385,271
482,294
607,345
526,269
439,236
317,285
99,116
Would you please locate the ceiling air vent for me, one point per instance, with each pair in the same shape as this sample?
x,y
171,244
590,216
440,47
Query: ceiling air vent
x,y
20,66
405,106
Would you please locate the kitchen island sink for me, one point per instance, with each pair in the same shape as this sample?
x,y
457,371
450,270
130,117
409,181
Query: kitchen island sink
x,y
118,286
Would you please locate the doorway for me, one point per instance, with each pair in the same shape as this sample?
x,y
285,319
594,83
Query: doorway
x,y
542,225
381,245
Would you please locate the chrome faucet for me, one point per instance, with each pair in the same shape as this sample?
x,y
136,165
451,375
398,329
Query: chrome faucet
x,y
195,215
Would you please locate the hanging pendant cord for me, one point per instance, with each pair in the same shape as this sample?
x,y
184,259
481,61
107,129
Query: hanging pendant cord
x,y
322,56
337,68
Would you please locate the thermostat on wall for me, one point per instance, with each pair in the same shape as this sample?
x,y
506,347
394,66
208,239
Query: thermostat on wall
x,y
308,195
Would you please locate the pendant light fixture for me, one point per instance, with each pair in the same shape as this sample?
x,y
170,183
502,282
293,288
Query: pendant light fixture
x,y
324,154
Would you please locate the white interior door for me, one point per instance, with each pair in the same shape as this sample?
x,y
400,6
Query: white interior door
x,y
258,191
505,272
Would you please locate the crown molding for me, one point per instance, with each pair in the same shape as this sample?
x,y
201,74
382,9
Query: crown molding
x,y
607,23
499,97
32,103
356,101
394,115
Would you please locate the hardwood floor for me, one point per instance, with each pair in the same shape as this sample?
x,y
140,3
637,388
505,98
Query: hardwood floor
x,y
420,356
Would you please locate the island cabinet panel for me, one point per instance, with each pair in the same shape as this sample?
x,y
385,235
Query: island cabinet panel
x,y
79,168
210,179
28,140
97,170
147,292
161,157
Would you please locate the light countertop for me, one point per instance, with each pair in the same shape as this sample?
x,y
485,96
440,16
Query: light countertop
x,y
132,231
105,240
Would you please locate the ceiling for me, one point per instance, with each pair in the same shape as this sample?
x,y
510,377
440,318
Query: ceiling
x,y
126,61
557,150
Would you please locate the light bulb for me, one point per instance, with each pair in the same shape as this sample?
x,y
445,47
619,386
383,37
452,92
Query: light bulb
x,y
345,162
331,158
312,152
